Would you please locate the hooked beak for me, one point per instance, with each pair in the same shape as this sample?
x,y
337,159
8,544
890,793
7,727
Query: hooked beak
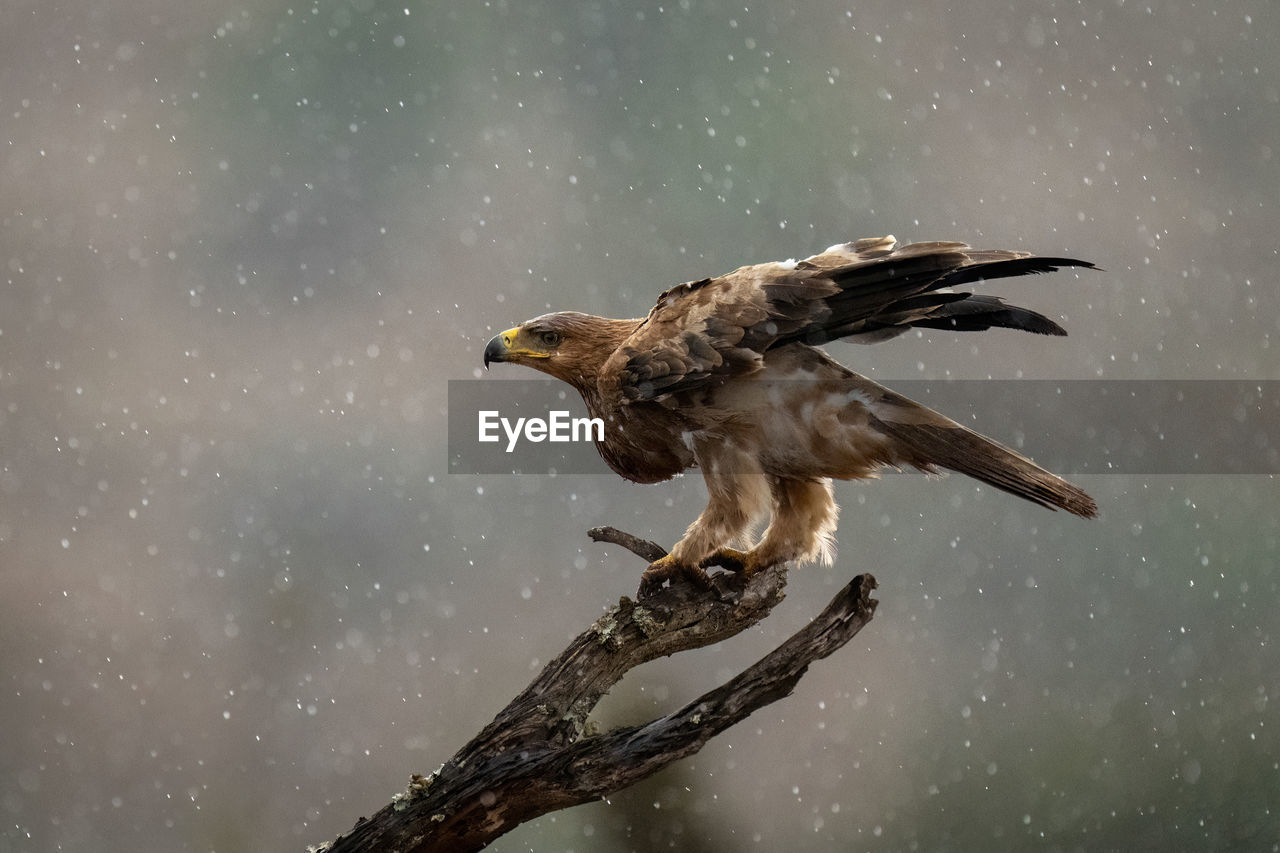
x,y
499,347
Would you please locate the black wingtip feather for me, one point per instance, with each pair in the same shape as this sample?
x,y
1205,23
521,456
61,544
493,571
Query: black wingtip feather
x,y
979,313
1010,267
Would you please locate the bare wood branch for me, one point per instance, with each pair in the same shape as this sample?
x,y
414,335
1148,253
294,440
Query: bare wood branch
x,y
539,754
642,548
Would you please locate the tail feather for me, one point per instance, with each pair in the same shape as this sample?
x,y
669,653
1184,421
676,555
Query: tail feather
x,y
940,443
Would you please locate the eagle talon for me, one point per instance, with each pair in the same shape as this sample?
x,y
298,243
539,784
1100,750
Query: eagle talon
x,y
668,569
743,563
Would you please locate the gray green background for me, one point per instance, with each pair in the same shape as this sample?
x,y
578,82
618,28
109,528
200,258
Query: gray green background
x,y
246,245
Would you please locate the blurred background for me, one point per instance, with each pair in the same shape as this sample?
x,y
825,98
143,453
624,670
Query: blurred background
x,y
247,244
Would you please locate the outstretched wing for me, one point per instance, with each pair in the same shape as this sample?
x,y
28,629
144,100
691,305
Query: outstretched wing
x,y
868,290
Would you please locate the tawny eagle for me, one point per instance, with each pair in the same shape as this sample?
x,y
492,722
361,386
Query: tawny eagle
x,y
725,375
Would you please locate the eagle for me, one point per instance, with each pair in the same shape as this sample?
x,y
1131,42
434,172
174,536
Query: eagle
x,y
726,375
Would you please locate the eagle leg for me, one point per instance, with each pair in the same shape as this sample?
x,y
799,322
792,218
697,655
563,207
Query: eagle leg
x,y
669,568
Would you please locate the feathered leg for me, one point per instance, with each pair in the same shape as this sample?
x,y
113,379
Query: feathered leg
x,y
802,528
737,496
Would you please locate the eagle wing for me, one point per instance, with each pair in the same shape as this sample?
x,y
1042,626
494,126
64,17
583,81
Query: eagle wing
x,y
868,290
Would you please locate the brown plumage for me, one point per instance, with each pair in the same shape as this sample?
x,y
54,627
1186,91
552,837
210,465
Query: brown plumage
x,y
724,375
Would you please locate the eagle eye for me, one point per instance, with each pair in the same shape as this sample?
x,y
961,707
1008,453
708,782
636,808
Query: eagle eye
x,y
549,339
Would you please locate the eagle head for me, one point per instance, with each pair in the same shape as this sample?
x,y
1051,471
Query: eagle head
x,y
527,343
569,346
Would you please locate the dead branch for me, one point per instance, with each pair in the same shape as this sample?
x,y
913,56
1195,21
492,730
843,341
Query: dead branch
x,y
540,754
